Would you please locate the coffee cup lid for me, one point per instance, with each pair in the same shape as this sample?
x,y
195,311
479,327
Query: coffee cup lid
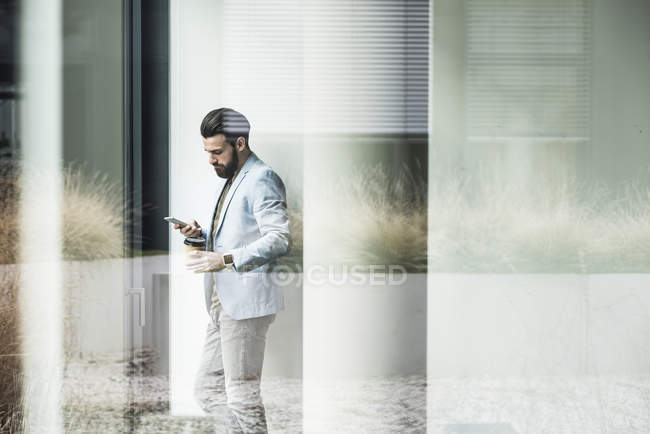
x,y
194,242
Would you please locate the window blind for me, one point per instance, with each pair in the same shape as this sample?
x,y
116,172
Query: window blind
x,y
262,62
338,66
528,68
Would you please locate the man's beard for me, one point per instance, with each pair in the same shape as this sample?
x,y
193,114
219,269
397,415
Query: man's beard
x,y
229,170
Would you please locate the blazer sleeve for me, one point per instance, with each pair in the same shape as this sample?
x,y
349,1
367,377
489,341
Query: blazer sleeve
x,y
270,211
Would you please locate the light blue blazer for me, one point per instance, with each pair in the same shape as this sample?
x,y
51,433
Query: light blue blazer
x,y
254,228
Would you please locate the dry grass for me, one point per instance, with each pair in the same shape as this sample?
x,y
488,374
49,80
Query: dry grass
x,y
10,360
8,212
482,223
93,216
10,369
384,217
487,225
373,216
293,259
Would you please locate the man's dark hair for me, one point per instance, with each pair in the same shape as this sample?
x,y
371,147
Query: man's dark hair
x,y
225,121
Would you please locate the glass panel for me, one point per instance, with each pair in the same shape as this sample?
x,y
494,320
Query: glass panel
x,y
94,209
256,69
538,200
40,282
336,95
62,201
366,91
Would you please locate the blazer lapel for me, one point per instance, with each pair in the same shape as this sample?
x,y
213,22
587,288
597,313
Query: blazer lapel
x,y
214,210
252,158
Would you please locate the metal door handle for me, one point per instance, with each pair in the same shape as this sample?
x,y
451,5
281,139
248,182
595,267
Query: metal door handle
x,y
140,293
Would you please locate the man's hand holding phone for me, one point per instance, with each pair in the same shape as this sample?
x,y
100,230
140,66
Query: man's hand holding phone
x,y
191,229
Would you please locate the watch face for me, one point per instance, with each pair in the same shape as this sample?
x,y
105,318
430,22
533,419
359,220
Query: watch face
x,y
227,259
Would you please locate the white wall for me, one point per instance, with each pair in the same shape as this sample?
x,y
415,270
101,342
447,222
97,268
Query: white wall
x,y
537,325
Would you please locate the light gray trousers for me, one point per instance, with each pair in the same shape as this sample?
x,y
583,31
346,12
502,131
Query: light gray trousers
x,y
228,381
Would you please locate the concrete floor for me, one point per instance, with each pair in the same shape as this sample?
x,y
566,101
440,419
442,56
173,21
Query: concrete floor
x,y
96,396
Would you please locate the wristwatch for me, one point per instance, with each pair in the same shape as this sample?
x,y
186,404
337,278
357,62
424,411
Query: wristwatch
x,y
228,261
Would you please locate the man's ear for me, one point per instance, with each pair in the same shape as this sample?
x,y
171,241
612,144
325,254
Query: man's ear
x,y
241,143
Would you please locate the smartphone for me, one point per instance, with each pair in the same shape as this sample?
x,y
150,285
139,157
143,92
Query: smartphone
x,y
176,221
